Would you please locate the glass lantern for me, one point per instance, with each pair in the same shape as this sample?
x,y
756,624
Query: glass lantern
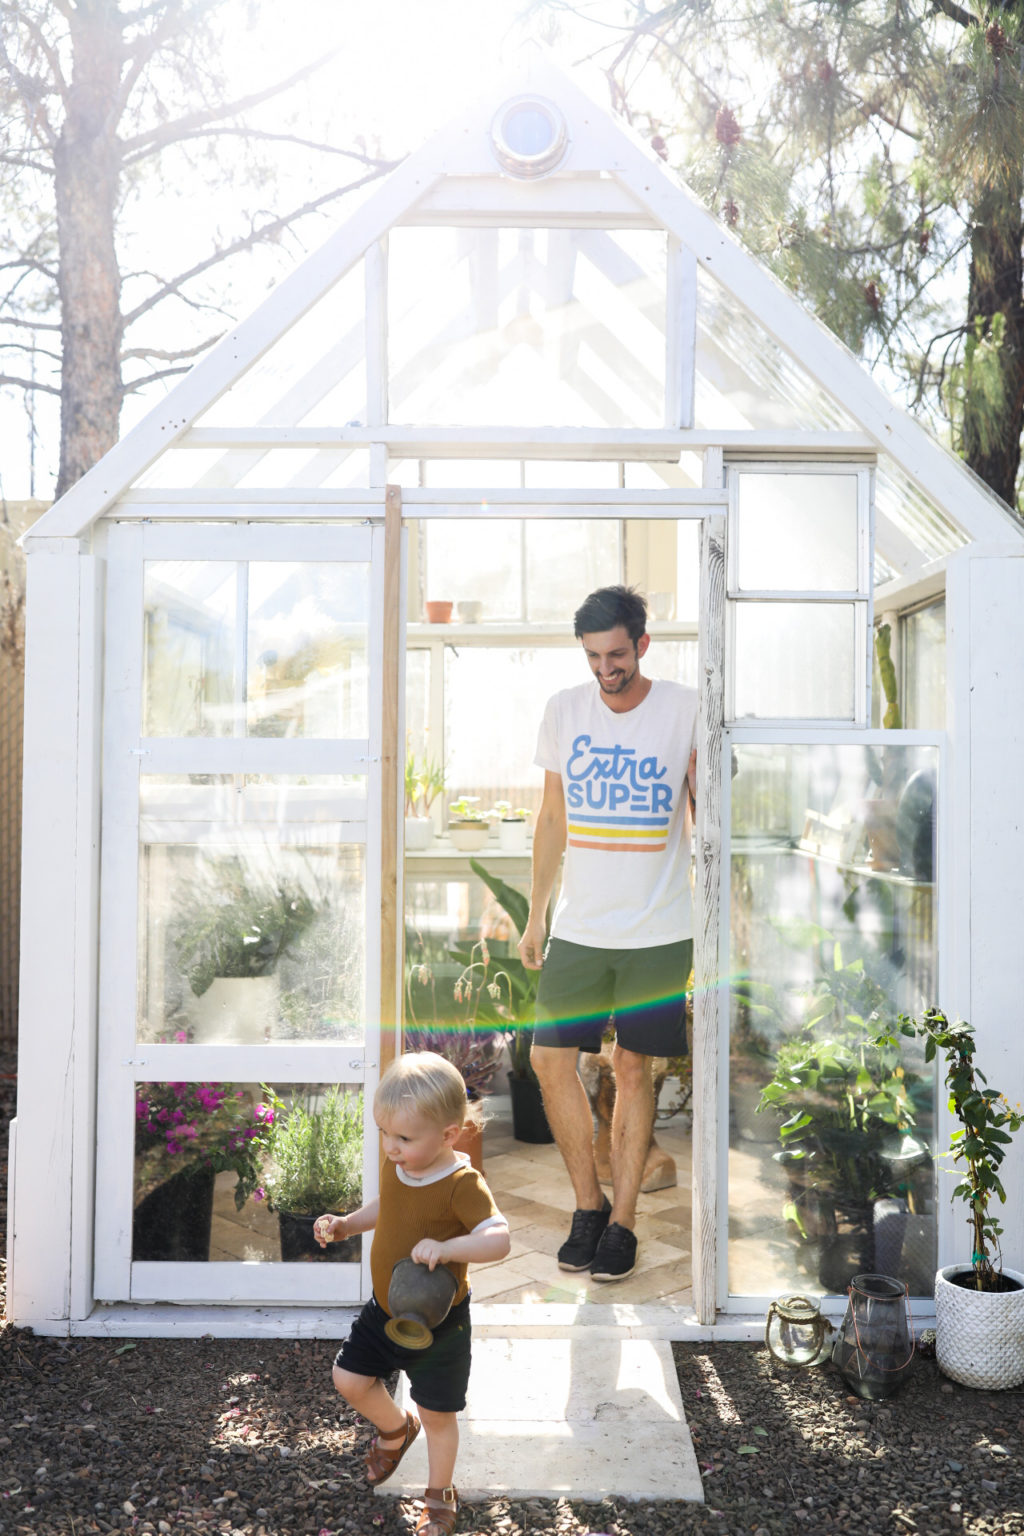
x,y
875,1344
795,1332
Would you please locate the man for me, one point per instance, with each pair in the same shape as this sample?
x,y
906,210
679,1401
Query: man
x,y
619,781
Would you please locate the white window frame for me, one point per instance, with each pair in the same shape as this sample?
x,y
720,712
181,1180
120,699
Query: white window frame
x,y
122,1061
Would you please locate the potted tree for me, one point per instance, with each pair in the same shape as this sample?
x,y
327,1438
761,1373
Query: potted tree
x,y
228,947
979,1306
315,1165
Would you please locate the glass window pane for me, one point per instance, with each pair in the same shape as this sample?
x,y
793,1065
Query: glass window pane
x,y
794,661
797,533
479,561
565,561
307,638
190,641
244,947
833,932
305,647
225,1174
924,667
553,327
494,699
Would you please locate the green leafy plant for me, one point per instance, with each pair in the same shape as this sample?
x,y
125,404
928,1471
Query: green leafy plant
x,y
424,781
987,1122
518,984
464,808
503,810
315,1154
846,1100
240,929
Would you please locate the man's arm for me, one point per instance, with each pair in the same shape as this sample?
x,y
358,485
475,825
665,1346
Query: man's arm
x,y
548,846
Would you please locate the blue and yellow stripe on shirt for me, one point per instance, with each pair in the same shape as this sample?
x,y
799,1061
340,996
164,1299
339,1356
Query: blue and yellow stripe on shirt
x,y
619,834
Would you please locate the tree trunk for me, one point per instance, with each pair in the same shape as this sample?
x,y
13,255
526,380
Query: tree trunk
x,y
993,425
87,173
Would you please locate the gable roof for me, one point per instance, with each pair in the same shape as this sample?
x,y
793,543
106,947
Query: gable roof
x,y
458,164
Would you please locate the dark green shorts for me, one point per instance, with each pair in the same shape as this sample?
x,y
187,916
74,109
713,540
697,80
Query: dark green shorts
x,y
642,992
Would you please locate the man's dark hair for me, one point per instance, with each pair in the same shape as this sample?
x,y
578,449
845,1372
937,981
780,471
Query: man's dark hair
x,y
608,607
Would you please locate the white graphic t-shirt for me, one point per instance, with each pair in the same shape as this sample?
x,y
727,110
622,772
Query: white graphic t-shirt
x,y
625,881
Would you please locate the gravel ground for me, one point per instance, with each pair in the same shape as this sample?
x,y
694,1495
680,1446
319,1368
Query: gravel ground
x,y
215,1436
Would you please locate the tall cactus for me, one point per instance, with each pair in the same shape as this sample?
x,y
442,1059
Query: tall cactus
x,y
892,719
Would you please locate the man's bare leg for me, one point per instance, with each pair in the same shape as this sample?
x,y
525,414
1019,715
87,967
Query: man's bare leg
x,y
568,1110
632,1123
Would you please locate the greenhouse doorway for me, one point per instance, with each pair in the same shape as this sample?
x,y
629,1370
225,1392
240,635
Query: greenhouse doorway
x,y
477,676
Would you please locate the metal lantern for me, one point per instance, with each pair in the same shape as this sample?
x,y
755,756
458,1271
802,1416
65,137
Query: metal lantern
x,y
875,1344
795,1331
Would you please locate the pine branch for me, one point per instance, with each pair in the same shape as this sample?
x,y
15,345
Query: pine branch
x,y
135,385
20,163
20,347
274,138
16,383
157,139
244,243
45,46
956,13
29,325
176,355
143,50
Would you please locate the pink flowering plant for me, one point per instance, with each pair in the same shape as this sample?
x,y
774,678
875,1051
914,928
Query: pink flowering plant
x,y
188,1127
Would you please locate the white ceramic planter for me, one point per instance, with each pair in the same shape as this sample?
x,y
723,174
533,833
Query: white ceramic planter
x,y
419,833
979,1335
236,1010
468,836
512,835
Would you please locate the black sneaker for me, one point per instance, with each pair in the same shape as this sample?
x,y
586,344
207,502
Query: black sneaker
x,y
616,1254
584,1235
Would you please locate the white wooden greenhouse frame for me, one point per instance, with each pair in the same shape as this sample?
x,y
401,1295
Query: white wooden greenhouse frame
x,y
939,531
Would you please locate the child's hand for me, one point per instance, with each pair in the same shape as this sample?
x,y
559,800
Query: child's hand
x,y
428,1251
329,1229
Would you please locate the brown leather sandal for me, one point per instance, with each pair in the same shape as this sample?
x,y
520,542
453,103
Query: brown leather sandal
x,y
439,1522
381,1462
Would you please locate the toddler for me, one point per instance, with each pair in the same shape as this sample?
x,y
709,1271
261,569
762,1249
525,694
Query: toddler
x,y
434,1208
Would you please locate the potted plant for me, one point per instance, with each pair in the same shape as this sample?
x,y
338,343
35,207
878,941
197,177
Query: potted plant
x,y
185,1134
468,828
512,993
228,948
424,781
979,1306
512,823
847,1104
315,1165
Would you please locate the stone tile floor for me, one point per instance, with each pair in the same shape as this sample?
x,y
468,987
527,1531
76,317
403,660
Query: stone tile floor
x,y
532,1189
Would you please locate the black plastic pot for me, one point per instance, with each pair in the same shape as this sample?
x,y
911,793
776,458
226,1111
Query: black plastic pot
x,y
529,1122
299,1246
173,1221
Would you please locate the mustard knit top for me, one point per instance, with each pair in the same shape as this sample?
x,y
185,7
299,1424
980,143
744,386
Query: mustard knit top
x,y
449,1207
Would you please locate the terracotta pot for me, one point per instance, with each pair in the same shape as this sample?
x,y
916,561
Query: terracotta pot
x,y
418,1299
439,612
471,1141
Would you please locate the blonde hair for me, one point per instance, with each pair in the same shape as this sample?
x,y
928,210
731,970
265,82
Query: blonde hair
x,y
425,1083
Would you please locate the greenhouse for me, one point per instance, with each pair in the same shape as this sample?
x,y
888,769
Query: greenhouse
x,y
322,591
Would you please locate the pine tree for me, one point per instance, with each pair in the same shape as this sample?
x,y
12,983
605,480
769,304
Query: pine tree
x,y
872,152
94,97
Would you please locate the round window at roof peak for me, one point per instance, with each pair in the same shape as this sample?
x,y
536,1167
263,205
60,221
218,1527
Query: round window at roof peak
x,y
530,136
